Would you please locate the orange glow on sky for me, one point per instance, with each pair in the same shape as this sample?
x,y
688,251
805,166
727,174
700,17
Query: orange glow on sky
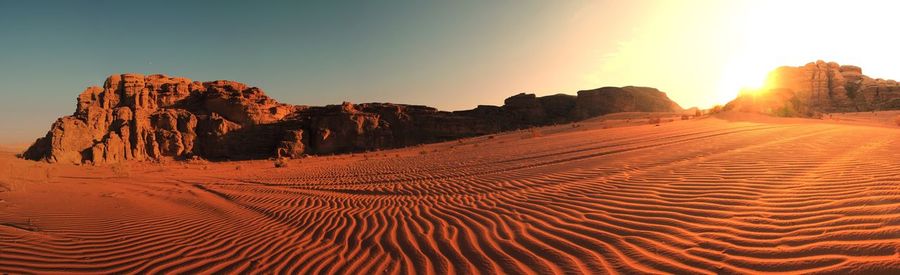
x,y
703,53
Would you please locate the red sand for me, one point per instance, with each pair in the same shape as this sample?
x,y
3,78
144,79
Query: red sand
x,y
735,194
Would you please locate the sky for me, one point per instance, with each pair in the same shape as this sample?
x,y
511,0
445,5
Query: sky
x,y
452,55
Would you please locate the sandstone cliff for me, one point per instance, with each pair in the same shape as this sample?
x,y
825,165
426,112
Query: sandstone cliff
x,y
140,118
819,87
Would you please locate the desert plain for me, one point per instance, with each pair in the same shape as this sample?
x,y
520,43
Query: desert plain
x,y
731,193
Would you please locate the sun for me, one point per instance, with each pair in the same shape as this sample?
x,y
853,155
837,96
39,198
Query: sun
x,y
741,76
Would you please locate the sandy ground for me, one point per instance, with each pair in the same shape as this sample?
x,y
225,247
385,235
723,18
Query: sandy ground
x,y
728,194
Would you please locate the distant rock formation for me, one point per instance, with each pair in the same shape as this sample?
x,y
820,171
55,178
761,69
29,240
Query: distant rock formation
x,y
142,118
819,87
628,99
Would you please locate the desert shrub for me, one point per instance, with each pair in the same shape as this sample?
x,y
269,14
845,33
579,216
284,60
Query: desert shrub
x,y
281,163
654,120
785,111
698,113
120,170
490,137
423,152
685,117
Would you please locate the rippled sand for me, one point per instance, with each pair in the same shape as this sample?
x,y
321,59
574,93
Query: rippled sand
x,y
724,194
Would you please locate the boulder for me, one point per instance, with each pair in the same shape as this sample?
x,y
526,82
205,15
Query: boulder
x,y
292,145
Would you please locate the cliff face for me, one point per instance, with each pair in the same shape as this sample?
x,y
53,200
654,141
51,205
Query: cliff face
x,y
627,99
529,109
819,87
140,118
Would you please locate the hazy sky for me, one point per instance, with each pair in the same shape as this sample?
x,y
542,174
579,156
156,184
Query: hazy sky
x,y
448,54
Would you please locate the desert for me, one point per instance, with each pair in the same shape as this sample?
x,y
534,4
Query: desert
x,y
727,193
449,137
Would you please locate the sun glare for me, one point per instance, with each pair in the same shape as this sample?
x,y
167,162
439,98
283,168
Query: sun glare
x,y
767,36
738,77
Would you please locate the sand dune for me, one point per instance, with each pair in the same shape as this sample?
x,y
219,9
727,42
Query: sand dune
x,y
707,196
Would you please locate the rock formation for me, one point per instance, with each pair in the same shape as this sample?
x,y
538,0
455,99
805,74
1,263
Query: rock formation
x,y
819,87
628,99
141,118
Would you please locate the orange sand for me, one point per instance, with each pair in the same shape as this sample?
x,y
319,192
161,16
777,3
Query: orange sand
x,y
729,194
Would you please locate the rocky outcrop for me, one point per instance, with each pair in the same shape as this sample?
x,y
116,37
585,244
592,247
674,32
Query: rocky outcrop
x,y
136,117
141,118
627,99
561,108
819,87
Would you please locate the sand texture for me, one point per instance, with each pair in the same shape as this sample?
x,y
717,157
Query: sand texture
x,y
718,195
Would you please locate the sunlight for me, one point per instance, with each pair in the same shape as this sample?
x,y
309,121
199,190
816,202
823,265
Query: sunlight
x,y
768,36
738,77
450,137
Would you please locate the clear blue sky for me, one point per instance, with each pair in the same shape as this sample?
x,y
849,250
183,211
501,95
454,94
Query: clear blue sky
x,y
448,54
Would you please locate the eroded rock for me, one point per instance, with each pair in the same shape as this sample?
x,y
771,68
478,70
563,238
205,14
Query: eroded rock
x,y
145,118
819,87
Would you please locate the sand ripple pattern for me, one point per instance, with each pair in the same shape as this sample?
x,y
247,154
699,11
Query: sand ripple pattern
x,y
704,197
